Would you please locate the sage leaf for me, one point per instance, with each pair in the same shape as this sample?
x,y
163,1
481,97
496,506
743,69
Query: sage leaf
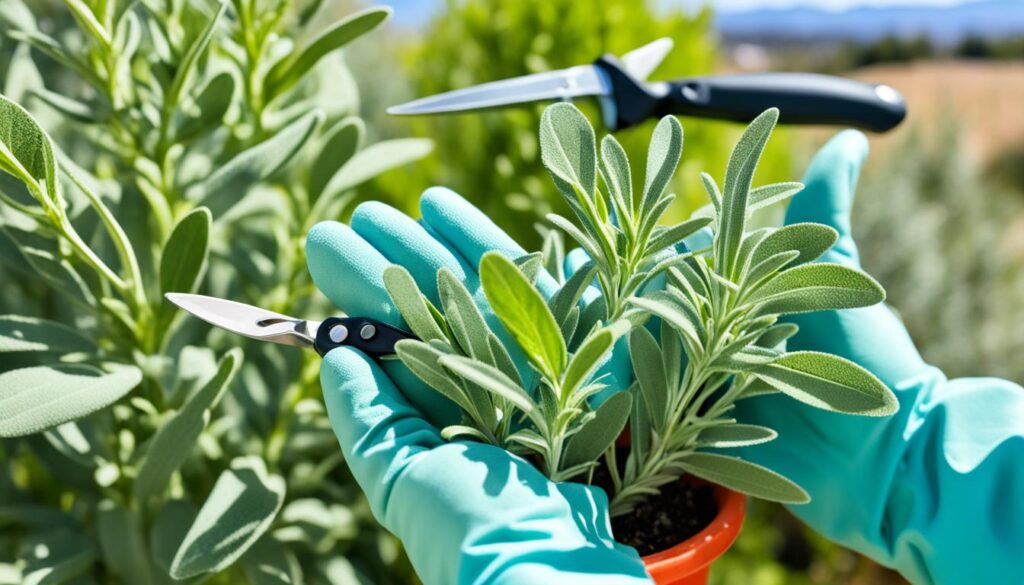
x,y
464,319
771,194
122,542
600,432
56,557
370,162
617,176
829,382
568,148
714,194
768,267
27,153
680,315
745,477
424,361
230,181
18,333
739,174
184,256
649,370
776,334
530,266
174,441
239,510
208,108
38,398
339,147
186,69
269,562
566,298
673,235
735,435
491,379
409,301
452,432
73,109
290,70
817,287
169,529
811,240
662,159
524,313
591,355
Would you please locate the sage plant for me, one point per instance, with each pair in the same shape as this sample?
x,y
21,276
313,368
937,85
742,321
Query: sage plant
x,y
701,325
194,143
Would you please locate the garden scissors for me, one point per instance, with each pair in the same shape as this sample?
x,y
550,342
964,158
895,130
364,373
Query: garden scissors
x,y
374,338
626,98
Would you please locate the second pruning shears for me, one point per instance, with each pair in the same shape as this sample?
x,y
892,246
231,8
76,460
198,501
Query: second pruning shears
x,y
626,98
374,338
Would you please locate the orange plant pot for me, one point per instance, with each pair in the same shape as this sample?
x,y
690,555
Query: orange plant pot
x,y
688,562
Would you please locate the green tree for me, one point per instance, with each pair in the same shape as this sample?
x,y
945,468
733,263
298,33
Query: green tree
x,y
492,157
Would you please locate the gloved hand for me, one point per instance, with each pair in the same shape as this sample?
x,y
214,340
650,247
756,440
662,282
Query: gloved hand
x,y
936,491
466,512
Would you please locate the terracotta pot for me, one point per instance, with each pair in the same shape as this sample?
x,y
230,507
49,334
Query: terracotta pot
x,y
688,562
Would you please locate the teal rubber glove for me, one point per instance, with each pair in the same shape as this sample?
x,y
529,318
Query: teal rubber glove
x,y
936,491
466,512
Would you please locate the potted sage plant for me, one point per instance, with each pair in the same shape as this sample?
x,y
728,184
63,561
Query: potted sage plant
x,y
700,326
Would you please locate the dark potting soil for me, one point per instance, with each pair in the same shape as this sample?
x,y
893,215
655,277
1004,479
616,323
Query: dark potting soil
x,y
681,510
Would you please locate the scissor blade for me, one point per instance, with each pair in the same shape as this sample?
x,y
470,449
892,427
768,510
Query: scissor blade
x,y
642,61
248,320
583,80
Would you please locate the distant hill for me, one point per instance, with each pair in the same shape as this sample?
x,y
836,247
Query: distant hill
x,y
944,24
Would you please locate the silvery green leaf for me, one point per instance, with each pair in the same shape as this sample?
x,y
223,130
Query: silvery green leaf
x,y
186,68
569,324
745,477
239,510
574,232
206,111
662,159
649,369
817,287
649,220
568,148
423,360
269,562
56,270
530,266
674,360
289,71
776,334
411,304
56,557
738,176
122,543
713,193
598,433
452,432
369,162
531,440
615,171
735,435
491,379
462,315
230,181
829,382
746,253
19,333
671,236
502,359
687,278
565,299
166,535
682,316
71,108
553,252
27,153
639,426
53,49
176,438
340,145
87,19
771,194
590,355
748,359
524,313
811,240
183,259
38,398
769,267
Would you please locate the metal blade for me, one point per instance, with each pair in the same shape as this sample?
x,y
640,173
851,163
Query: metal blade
x,y
641,62
579,81
248,320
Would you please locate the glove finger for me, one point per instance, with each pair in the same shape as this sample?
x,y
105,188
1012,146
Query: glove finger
x,y
350,272
380,432
470,233
830,185
403,241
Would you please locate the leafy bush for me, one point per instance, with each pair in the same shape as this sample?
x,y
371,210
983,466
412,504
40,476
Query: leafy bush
x,y
198,141
718,341
492,157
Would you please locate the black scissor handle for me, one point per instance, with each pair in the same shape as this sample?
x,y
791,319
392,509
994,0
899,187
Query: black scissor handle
x,y
370,336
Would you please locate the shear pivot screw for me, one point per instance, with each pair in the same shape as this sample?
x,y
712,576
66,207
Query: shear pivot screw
x,y
338,333
367,331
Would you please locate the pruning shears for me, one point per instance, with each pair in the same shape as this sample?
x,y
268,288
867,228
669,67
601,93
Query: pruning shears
x,y
627,99
374,338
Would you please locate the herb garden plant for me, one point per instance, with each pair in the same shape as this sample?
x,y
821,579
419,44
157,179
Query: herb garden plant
x,y
194,143
701,325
